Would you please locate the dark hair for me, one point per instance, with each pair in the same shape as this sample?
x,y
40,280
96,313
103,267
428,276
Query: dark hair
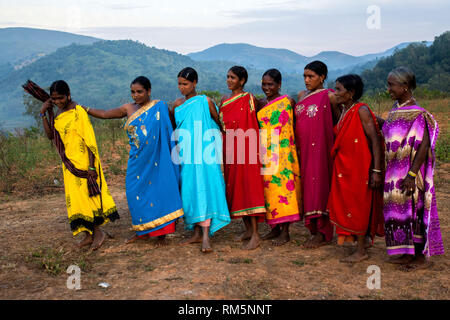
x,y
404,75
143,81
189,74
318,67
241,73
274,74
61,87
352,82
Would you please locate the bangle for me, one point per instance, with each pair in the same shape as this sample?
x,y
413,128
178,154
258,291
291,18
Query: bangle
x,y
412,174
376,170
87,109
93,169
42,115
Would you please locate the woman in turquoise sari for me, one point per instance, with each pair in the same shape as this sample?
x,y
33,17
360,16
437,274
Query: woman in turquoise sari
x,y
152,180
200,153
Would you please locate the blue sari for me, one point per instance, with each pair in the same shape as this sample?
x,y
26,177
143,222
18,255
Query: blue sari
x,y
200,154
152,180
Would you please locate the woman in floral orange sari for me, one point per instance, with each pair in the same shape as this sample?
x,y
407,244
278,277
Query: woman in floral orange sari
x,y
281,171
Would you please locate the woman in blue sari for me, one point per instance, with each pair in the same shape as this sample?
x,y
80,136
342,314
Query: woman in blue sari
x,y
200,153
152,180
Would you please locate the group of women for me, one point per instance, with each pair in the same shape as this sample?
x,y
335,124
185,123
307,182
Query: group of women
x,y
324,160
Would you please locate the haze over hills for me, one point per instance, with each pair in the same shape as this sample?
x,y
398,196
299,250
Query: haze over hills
x,y
99,72
286,60
22,46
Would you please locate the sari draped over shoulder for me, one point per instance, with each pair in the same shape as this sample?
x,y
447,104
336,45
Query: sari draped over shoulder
x,y
85,212
413,219
200,156
282,187
355,208
314,138
242,169
152,180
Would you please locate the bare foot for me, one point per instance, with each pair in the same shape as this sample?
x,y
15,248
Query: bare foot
x,y
283,238
418,263
136,237
315,241
206,246
355,257
161,242
245,236
194,239
275,232
87,240
99,237
403,259
254,243
368,243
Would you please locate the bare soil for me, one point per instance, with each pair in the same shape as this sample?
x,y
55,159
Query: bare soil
x,y
36,248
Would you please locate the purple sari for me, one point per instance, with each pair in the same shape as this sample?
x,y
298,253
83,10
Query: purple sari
x,y
413,219
314,138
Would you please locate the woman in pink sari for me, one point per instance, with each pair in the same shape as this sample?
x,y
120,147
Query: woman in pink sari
x,y
314,138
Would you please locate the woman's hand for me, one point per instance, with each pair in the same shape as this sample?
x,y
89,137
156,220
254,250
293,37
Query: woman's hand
x,y
46,105
375,180
409,185
92,173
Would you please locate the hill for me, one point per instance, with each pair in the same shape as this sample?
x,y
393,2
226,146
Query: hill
x,y
100,74
431,65
285,60
22,46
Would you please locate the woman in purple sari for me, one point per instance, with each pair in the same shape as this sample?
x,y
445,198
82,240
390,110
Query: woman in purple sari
x,y
314,138
411,218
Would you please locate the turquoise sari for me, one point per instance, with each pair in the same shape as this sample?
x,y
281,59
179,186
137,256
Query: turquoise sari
x,y
152,180
200,153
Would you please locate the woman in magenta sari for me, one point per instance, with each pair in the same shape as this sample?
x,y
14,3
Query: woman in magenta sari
x,y
412,226
314,139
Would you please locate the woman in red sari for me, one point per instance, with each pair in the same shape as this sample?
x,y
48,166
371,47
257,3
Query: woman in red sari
x,y
314,140
356,199
242,168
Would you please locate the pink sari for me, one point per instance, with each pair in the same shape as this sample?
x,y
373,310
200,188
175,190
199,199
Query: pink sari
x,y
314,138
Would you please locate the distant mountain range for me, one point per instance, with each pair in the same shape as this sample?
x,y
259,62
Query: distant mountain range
x,y
99,72
286,60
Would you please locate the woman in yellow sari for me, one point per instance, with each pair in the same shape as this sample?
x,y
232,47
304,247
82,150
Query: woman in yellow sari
x,y
281,172
89,203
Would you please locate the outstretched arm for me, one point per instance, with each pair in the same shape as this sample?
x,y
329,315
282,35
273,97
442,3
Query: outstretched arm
x,y
115,113
372,136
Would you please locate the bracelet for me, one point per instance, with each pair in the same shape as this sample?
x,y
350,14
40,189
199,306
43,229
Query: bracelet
x,y
42,115
87,109
93,169
376,170
412,174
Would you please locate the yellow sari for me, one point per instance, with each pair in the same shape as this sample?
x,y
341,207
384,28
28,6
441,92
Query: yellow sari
x,y
84,212
282,189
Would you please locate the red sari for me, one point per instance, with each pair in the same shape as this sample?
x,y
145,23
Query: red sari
x,y
242,166
355,208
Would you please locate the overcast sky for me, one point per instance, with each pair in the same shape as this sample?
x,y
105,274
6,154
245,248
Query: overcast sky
x,y
355,27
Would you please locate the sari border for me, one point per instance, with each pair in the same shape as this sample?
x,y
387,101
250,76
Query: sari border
x,y
274,101
232,99
245,212
358,233
291,218
139,112
184,104
155,223
316,212
311,94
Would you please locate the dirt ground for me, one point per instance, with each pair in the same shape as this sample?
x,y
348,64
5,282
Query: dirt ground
x,y
36,248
